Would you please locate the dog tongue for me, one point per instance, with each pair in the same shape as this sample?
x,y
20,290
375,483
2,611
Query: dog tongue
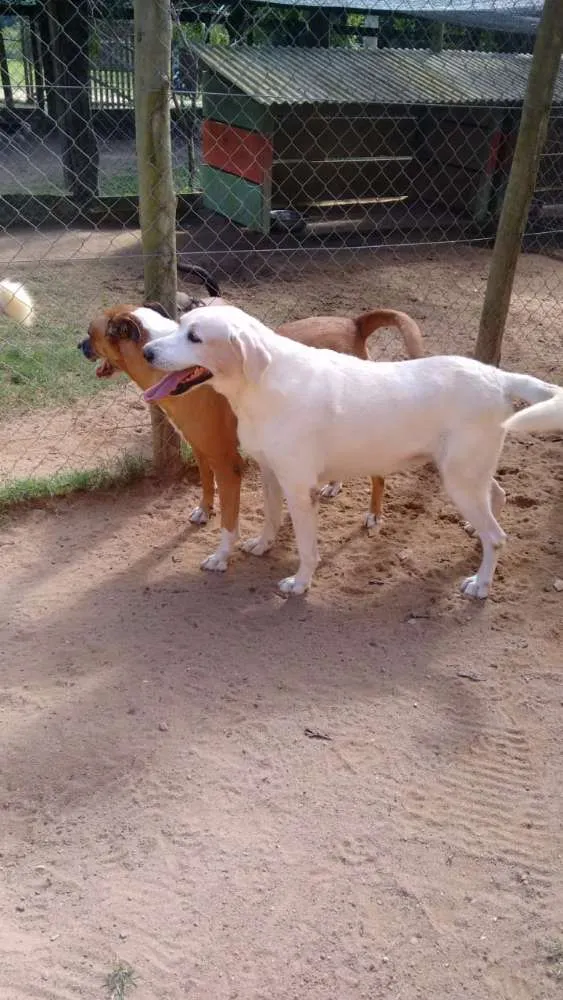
x,y
164,387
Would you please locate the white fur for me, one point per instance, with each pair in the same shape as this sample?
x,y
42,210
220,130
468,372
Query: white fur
x,y
546,416
154,323
219,560
308,415
199,516
330,491
16,302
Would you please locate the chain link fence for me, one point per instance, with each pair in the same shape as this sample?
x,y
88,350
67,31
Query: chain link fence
x,y
326,160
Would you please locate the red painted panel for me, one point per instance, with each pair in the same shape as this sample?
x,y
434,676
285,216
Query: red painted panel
x,y
245,154
494,152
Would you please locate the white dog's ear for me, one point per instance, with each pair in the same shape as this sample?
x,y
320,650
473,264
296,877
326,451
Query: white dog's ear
x,y
254,354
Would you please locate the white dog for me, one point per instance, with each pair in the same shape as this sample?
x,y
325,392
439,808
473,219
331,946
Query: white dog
x,y
16,302
308,415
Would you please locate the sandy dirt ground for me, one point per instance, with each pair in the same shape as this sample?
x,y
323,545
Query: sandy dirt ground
x,y
352,795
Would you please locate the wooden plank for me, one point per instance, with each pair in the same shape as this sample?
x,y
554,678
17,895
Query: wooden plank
x,y
301,183
222,102
236,150
236,199
316,135
553,208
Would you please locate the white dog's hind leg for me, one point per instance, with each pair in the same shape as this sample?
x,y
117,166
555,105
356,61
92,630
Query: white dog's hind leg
x,y
469,483
303,507
498,500
492,540
331,490
273,504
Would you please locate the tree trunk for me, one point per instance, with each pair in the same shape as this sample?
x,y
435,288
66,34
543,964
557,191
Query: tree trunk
x,y
521,182
157,201
70,33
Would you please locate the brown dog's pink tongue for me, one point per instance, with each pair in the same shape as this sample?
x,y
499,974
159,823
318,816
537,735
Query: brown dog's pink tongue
x,y
164,387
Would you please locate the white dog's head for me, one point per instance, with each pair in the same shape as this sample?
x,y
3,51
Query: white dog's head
x,y
209,342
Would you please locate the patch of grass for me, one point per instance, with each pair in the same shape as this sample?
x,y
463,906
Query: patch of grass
x,y
118,981
127,182
42,366
19,491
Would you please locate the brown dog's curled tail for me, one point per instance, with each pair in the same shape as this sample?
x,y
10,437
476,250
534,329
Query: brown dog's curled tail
x,y
211,285
410,331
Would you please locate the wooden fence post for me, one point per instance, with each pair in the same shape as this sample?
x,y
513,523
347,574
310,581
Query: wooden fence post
x,y
5,73
521,182
157,201
70,39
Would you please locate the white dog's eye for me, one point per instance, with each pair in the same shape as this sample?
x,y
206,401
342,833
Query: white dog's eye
x,y
193,338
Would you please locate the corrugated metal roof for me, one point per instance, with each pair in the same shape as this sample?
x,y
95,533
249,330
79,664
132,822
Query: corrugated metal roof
x,y
414,6
509,21
283,75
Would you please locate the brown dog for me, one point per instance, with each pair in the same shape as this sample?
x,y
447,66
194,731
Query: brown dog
x,y
336,333
204,418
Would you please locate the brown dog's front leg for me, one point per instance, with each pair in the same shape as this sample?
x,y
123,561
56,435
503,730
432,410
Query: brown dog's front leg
x,y
228,475
202,513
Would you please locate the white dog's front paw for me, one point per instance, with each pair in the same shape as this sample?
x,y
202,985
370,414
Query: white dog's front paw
x,y
373,523
199,516
330,491
257,546
468,527
291,586
216,563
473,587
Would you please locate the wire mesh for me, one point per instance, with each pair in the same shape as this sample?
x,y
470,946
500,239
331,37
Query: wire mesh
x,y
326,160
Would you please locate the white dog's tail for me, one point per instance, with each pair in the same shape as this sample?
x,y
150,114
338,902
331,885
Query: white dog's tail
x,y
546,416
546,410
16,302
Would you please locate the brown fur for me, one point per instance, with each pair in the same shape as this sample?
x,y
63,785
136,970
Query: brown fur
x,y
204,418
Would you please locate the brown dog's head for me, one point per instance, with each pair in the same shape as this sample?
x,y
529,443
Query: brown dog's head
x,y
116,339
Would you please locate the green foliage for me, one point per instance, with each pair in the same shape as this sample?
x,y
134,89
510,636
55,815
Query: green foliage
x,y
42,366
19,491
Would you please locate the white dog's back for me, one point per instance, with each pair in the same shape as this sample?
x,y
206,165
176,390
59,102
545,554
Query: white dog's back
x,y
371,418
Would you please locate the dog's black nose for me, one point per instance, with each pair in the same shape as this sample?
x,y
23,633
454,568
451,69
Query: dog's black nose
x,y
84,346
149,354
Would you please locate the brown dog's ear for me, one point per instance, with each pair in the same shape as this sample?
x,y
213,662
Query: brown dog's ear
x,y
124,327
157,308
